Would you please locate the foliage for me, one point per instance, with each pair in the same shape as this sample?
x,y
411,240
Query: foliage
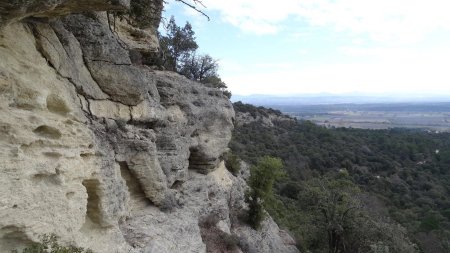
x,y
429,223
178,44
233,163
407,171
216,82
199,67
179,47
255,111
49,244
261,181
333,199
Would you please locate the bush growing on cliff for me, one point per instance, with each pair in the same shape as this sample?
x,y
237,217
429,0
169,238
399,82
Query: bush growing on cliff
x,y
179,49
261,181
232,162
50,244
178,44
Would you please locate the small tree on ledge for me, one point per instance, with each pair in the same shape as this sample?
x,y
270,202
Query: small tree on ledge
x,y
261,181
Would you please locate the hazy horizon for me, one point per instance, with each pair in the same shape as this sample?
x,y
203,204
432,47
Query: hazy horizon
x,y
332,98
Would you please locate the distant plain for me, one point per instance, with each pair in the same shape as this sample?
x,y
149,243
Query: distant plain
x,y
352,112
428,116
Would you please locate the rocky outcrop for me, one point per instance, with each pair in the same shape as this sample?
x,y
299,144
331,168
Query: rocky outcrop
x,y
16,10
105,152
247,113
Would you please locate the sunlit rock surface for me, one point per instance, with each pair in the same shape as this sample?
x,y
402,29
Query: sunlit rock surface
x,y
104,151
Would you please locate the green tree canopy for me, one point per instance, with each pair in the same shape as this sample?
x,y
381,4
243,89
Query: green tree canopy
x,y
261,181
178,43
179,48
199,67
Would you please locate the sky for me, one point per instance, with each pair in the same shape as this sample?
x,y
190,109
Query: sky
x,y
294,47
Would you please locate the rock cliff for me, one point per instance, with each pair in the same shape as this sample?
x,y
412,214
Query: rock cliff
x,y
104,151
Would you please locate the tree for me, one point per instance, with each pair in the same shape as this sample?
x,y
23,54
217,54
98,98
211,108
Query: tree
x,y
203,68
334,200
199,67
179,47
178,43
261,181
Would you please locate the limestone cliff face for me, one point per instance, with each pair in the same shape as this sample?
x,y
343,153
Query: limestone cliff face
x,y
103,151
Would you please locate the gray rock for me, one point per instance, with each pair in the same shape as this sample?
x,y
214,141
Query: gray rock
x,y
123,83
107,60
192,106
97,41
16,10
62,51
106,154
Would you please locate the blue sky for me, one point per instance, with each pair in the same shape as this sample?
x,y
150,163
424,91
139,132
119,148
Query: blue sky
x,y
288,47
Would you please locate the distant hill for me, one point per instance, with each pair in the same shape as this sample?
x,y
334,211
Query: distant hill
x,y
327,99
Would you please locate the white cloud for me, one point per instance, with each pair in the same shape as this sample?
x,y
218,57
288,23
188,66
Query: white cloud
x,y
256,16
398,64
389,70
399,21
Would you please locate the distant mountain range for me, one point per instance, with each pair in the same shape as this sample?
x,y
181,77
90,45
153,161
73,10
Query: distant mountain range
x,y
324,99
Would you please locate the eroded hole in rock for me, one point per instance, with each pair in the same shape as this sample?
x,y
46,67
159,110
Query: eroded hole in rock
x,y
93,215
138,200
195,133
26,99
49,179
86,155
177,185
211,195
197,161
56,105
198,103
48,132
193,157
53,155
13,238
146,124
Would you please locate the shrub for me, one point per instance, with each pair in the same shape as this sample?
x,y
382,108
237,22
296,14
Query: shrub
x,y
429,223
261,181
49,244
233,163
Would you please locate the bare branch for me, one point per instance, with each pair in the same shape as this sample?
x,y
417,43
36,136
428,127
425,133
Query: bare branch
x,y
194,7
199,2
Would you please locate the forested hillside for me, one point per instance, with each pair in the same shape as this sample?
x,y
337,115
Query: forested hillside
x,y
353,190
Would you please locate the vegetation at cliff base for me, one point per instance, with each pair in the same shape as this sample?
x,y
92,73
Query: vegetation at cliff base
x,y
395,183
